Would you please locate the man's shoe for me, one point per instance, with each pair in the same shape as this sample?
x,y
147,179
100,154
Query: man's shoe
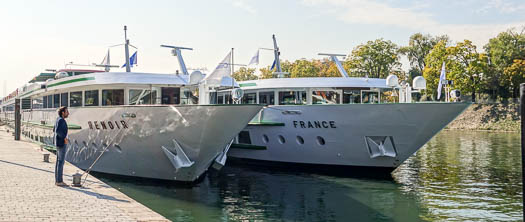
x,y
62,184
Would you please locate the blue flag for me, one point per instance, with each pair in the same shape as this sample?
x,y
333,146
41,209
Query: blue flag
x,y
132,60
273,65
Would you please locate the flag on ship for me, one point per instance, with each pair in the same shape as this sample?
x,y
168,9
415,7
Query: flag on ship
x,y
442,80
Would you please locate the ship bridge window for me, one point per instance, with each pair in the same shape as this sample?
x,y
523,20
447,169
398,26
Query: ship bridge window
x,y
249,98
351,96
325,97
75,99
91,98
56,100
112,97
292,97
64,99
267,98
170,95
139,96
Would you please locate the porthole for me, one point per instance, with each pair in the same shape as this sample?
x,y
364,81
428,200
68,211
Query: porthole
x,y
265,138
281,139
320,141
300,140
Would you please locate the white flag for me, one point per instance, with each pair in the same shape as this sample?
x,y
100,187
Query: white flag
x,y
255,59
442,80
222,70
106,60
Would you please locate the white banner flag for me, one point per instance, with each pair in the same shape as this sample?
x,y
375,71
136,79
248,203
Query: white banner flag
x,y
442,80
222,70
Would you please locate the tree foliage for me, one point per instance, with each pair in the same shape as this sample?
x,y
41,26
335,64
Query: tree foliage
x,y
503,50
419,46
375,59
244,74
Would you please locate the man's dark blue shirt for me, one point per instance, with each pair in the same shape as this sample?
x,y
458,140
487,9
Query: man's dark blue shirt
x,y
60,130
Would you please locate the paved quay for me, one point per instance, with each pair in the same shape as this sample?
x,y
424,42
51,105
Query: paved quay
x,y
28,191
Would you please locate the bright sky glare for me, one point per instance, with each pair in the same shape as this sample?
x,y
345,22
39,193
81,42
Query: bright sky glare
x,y
39,35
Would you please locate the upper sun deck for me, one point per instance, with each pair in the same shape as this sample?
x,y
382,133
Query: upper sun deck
x,y
315,82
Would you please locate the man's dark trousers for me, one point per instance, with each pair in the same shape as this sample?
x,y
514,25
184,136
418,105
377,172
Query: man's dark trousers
x,y
59,166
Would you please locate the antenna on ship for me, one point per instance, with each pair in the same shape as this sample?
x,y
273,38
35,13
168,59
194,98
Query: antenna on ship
x,y
176,52
334,59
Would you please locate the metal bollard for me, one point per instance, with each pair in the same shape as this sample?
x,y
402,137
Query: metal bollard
x,y
46,157
77,178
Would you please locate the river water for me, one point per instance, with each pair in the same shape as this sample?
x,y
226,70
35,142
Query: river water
x,y
456,176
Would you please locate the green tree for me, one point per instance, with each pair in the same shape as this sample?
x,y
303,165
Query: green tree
x,y
375,59
419,46
433,63
514,75
266,73
244,74
304,68
502,51
467,67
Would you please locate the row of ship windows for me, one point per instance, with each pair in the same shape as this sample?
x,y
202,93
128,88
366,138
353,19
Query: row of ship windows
x,y
244,137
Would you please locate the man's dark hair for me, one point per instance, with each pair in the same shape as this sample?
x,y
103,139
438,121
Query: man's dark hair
x,y
61,110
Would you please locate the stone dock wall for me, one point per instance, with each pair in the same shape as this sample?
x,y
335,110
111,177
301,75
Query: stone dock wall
x,y
492,117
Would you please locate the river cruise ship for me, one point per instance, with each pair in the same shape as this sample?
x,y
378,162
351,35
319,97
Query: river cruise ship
x,y
337,124
133,124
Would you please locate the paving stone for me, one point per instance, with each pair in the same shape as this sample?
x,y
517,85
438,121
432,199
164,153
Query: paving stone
x,y
28,191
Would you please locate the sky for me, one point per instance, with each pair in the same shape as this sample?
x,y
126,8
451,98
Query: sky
x,y
38,35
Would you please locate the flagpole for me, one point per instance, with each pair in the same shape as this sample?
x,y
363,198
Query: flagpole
x,y
231,92
128,69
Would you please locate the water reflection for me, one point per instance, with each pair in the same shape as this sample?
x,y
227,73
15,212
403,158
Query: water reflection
x,y
466,176
456,176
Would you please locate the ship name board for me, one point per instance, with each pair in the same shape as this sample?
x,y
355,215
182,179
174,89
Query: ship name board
x,y
314,124
104,125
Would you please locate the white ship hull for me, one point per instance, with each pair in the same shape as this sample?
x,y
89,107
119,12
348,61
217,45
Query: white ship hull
x,y
354,135
142,140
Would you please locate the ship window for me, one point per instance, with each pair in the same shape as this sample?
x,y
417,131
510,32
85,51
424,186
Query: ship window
x,y
267,98
91,98
75,99
170,95
351,96
300,140
265,138
112,97
220,99
139,96
292,97
64,99
50,101
56,100
370,96
44,102
281,139
320,141
244,137
249,98
325,97
190,96
37,103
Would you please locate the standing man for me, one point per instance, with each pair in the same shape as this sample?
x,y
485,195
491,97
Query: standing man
x,y
61,142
